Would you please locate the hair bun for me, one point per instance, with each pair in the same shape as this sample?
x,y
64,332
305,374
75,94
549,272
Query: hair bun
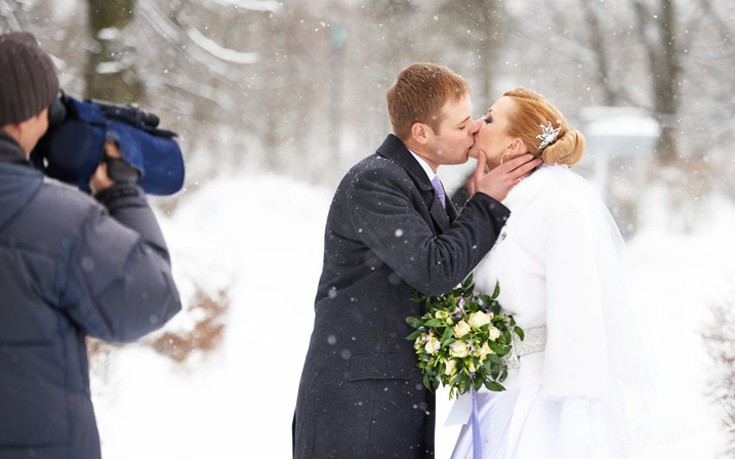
x,y
568,148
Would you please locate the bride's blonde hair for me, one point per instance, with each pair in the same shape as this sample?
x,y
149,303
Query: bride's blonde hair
x,y
532,111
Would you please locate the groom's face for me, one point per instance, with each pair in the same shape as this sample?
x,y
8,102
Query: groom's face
x,y
455,136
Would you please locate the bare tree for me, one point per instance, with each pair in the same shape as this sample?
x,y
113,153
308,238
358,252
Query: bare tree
x,y
657,26
111,58
598,40
476,31
261,84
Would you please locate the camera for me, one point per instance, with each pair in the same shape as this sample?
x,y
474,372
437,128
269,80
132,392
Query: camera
x,y
74,145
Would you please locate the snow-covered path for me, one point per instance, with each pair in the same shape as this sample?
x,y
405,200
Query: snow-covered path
x,y
260,238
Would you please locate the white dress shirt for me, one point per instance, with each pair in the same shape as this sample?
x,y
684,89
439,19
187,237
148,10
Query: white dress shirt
x,y
424,165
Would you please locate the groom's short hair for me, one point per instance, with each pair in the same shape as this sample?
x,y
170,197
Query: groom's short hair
x,y
418,95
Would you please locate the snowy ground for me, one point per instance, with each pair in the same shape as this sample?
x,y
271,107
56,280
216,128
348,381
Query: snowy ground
x,y
261,239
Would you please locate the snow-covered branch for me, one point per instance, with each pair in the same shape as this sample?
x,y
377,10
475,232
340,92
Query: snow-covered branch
x,y
220,52
254,5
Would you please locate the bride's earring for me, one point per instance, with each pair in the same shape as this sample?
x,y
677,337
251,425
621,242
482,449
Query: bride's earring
x,y
502,155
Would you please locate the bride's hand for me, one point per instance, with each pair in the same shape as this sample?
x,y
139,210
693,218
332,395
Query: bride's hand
x,y
500,180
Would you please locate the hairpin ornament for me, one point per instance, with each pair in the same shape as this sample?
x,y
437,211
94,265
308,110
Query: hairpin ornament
x,y
548,135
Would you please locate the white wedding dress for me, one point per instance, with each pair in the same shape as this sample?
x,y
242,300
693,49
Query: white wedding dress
x,y
558,264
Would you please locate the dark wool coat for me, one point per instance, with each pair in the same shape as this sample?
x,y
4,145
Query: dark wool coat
x,y
387,236
68,269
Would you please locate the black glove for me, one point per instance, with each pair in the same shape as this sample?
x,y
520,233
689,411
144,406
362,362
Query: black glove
x,y
120,171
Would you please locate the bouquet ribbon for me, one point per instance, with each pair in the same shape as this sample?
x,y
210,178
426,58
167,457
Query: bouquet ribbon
x,y
476,433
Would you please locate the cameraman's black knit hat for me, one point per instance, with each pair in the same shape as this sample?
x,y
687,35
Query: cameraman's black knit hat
x,y
28,81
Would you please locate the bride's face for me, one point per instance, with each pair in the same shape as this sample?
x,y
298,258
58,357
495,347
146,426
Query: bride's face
x,y
493,138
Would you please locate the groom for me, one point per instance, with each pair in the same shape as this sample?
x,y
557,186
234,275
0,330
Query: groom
x,y
391,230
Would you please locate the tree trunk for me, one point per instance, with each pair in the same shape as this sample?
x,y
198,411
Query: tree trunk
x,y
110,70
485,19
491,12
659,37
599,47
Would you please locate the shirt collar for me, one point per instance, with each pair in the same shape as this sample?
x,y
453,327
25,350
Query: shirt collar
x,y
424,165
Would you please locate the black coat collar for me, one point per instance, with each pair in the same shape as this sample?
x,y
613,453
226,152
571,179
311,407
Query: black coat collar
x,y
395,150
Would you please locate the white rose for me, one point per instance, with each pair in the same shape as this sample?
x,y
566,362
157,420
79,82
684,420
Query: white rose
x,y
441,314
461,329
451,367
478,319
432,345
493,333
485,351
459,349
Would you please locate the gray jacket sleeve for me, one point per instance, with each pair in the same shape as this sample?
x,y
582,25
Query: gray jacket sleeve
x,y
119,282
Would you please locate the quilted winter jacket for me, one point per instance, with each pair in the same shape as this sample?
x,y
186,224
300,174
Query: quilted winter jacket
x,y
69,267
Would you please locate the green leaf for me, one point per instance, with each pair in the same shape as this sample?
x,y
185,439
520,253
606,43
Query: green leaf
x,y
494,359
519,331
497,348
441,368
427,382
504,350
467,281
496,292
434,323
414,321
494,386
495,371
414,335
464,385
447,335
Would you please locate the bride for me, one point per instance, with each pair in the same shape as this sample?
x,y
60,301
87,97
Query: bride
x,y
557,262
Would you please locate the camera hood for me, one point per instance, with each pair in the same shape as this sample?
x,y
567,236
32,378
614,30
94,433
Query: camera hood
x,y
73,147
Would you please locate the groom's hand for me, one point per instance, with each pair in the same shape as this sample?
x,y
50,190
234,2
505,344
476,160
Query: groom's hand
x,y
499,181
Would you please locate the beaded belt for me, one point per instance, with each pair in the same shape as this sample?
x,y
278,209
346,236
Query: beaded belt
x,y
534,341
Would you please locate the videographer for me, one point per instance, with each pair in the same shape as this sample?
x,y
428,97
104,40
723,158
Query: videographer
x,y
69,267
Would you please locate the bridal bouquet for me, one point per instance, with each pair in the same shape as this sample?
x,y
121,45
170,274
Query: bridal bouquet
x,y
461,339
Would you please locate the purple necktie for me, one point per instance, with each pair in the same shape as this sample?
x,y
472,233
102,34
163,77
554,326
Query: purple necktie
x,y
437,184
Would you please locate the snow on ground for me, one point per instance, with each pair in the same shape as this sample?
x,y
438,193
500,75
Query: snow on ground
x,y
260,238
